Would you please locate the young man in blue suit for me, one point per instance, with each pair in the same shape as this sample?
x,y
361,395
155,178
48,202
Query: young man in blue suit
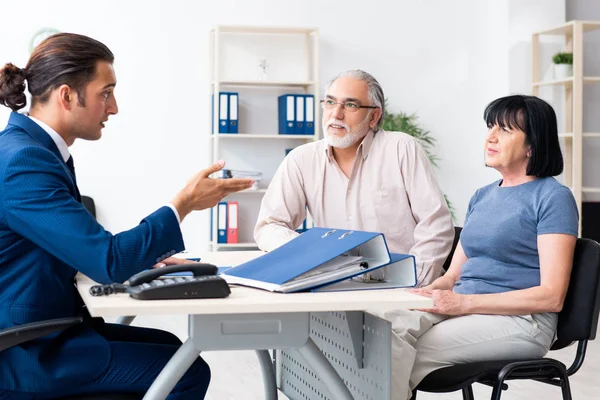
x,y
47,236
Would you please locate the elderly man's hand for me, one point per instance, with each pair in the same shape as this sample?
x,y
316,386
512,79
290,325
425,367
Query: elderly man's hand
x,y
445,301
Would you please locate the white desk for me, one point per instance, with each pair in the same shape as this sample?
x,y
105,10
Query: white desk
x,y
249,319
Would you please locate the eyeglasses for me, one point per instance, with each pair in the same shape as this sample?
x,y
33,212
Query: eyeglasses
x,y
350,106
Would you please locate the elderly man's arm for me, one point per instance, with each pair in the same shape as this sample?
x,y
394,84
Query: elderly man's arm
x,y
283,207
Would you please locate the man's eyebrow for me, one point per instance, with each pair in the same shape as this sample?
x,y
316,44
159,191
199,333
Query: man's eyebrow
x,y
345,100
109,85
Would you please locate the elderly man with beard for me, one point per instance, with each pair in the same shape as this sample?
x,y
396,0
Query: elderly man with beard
x,y
360,177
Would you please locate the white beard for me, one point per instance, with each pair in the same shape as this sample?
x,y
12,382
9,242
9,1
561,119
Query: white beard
x,y
351,136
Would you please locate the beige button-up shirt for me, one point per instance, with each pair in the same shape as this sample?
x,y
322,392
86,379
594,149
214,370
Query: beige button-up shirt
x,y
392,189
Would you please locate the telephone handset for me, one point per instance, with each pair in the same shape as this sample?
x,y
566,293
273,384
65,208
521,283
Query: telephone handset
x,y
146,286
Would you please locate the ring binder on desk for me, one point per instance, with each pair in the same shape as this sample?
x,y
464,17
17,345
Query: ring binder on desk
x,y
325,259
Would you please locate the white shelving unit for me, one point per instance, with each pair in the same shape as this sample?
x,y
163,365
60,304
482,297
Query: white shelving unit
x,y
292,56
573,33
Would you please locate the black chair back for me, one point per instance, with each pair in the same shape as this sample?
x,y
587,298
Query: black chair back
x,y
578,319
89,204
457,230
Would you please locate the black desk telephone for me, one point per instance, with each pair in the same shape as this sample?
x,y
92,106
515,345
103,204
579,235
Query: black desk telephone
x,y
146,286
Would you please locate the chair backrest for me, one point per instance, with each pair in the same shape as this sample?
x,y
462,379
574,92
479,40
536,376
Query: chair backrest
x,y
578,319
457,230
89,204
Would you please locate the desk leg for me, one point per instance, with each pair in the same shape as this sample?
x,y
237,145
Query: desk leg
x,y
268,374
173,371
325,371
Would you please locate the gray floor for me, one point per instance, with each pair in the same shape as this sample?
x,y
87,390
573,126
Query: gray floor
x,y
236,375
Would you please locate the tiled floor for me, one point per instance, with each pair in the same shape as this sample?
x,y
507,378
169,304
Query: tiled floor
x,y
236,374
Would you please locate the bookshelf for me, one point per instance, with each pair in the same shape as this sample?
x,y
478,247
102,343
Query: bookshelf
x,y
292,56
572,136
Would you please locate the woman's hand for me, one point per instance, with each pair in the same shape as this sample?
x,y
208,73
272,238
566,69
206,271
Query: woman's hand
x,y
172,261
445,301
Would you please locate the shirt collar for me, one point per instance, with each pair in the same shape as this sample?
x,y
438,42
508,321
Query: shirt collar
x,y
56,138
364,148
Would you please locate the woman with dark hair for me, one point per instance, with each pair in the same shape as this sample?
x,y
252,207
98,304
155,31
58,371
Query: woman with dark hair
x,y
47,235
510,270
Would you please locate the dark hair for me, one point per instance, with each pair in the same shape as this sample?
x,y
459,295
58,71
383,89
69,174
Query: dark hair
x,y
61,59
537,120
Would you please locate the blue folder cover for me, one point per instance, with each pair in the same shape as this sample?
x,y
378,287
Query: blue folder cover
x,y
287,114
313,249
233,106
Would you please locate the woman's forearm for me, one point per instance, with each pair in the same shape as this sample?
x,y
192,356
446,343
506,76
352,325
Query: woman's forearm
x,y
526,301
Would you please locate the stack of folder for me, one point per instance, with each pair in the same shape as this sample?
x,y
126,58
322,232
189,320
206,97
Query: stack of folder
x,y
228,112
324,259
227,217
296,114
232,173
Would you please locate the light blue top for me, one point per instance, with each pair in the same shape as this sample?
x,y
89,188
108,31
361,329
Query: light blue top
x,y
501,231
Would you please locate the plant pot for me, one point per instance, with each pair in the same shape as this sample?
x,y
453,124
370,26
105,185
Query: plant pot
x,y
563,71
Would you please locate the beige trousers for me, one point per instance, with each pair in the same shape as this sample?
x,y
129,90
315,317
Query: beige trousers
x,y
423,342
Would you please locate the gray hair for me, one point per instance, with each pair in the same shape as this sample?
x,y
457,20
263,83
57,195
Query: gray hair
x,y
376,96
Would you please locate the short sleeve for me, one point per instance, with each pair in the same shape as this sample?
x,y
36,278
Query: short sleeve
x,y
558,213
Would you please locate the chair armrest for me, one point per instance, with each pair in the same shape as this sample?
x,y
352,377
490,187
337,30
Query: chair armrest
x,y
15,335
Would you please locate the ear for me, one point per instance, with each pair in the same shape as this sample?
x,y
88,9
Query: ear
x,y
375,117
66,97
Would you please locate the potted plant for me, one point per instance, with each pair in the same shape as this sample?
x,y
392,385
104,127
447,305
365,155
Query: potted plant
x,y
563,65
408,123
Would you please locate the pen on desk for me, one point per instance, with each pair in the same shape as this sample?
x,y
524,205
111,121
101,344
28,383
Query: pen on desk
x,y
196,259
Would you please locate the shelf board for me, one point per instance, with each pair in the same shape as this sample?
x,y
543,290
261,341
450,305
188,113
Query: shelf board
x,y
590,190
264,29
249,191
567,29
280,84
232,245
261,136
585,135
567,81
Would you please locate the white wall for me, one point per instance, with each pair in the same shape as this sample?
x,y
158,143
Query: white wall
x,y
443,60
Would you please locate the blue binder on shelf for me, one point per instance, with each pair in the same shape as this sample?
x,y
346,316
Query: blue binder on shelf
x,y
323,259
299,129
309,114
223,112
222,222
233,107
287,114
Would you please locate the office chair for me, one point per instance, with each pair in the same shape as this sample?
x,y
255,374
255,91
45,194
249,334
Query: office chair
x,y
89,204
577,322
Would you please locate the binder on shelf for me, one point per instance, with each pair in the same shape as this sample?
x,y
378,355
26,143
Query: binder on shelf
x,y
309,112
233,112
223,113
232,222
222,222
334,255
287,114
299,129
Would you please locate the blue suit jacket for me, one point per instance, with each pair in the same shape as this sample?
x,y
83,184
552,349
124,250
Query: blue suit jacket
x,y
46,236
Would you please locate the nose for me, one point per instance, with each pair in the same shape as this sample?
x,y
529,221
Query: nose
x,y
338,112
492,135
112,108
